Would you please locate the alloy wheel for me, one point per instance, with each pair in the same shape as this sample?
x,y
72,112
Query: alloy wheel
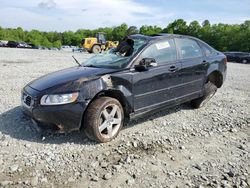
x,y
110,120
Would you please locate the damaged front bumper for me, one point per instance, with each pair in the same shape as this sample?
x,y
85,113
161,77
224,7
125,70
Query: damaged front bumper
x,y
66,118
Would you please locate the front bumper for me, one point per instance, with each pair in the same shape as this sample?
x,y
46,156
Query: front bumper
x,y
67,117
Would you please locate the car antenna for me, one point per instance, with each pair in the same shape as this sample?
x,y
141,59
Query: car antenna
x,y
77,61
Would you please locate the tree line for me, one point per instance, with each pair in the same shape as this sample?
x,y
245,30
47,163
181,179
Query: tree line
x,y
223,37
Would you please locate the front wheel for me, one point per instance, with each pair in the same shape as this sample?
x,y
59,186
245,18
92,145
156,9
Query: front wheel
x,y
96,49
103,119
209,91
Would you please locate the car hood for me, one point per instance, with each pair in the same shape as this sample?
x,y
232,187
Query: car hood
x,y
67,75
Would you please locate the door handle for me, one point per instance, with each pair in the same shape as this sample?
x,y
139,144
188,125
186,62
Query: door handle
x,y
173,68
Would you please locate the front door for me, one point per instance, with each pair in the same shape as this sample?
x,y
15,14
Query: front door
x,y
158,85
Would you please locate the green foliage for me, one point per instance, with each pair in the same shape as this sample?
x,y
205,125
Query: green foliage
x,y
120,32
132,30
223,37
57,44
150,30
178,27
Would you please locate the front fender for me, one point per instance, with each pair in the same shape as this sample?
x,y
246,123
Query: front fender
x,y
104,84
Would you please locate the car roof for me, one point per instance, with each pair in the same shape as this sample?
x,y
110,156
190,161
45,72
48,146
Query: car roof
x,y
150,37
162,36
234,52
159,36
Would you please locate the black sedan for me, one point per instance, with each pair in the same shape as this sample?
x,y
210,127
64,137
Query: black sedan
x,y
144,74
239,57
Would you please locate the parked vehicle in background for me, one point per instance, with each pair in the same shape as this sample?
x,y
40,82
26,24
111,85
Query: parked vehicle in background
x,y
15,44
65,48
239,57
42,48
12,44
98,43
23,45
30,45
3,43
78,50
68,48
148,74
55,49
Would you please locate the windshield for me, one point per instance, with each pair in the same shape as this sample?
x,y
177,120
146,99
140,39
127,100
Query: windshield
x,y
113,59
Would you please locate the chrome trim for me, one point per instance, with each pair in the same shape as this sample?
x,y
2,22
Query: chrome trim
x,y
168,88
160,103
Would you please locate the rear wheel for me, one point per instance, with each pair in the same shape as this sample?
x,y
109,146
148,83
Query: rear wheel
x,y
244,61
103,119
209,92
96,49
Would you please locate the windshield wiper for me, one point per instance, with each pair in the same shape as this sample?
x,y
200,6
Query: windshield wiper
x,y
80,65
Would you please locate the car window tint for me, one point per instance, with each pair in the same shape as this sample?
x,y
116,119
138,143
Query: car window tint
x,y
162,52
188,48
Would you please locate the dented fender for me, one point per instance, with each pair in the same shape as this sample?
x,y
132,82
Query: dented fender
x,y
89,89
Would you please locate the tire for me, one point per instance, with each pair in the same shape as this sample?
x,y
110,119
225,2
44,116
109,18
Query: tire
x,y
244,61
96,49
209,91
103,119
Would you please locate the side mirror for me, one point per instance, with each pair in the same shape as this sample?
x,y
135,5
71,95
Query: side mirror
x,y
145,63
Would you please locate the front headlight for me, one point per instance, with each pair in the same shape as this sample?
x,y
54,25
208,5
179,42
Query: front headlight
x,y
59,99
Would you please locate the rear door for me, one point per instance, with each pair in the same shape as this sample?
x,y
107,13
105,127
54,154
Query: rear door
x,y
194,67
156,86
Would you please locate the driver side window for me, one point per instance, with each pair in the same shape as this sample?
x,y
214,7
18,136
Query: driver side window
x,y
163,52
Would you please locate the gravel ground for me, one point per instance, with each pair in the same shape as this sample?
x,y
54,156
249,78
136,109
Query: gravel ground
x,y
178,147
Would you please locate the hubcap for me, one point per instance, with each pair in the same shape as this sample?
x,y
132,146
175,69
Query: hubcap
x,y
110,120
96,50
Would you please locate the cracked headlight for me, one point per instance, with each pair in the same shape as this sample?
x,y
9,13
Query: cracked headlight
x,y
59,99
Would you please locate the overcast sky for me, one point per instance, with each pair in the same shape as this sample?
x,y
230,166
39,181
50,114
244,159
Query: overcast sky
x,y
61,15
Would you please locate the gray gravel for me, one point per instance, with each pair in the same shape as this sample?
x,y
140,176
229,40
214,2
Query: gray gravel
x,y
182,147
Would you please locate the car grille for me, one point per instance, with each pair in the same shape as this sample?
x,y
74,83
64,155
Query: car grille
x,y
26,99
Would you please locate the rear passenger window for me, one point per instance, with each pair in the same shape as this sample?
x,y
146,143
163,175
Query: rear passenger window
x,y
208,51
162,52
188,48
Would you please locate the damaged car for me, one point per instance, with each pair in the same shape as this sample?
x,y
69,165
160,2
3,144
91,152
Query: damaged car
x,y
142,75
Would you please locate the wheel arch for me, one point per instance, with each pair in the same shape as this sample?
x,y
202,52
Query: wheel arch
x,y
113,93
216,78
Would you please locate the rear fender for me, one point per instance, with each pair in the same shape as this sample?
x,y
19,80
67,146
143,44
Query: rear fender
x,y
215,76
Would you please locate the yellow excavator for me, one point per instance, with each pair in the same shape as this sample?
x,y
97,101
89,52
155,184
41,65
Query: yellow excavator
x,y
98,43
